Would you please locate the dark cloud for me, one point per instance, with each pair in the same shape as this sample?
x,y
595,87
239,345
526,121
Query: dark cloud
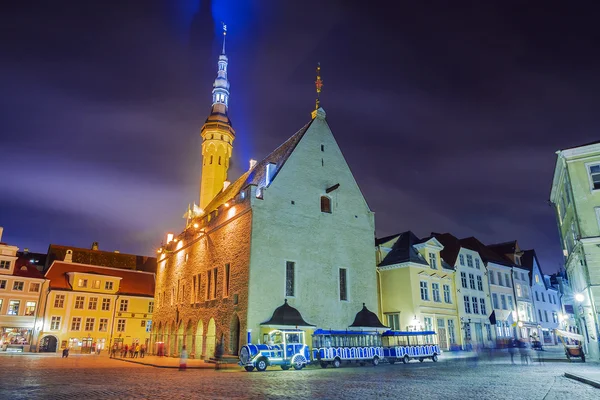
x,y
448,113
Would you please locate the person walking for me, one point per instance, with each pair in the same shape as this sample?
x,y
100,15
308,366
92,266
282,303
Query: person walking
x,y
142,351
125,350
131,350
183,359
512,349
137,351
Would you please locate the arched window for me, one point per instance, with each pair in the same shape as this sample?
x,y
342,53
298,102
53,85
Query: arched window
x,y
211,159
325,204
219,160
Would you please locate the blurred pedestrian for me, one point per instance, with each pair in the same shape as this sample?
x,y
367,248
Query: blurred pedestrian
x,y
137,351
512,349
124,351
183,359
142,351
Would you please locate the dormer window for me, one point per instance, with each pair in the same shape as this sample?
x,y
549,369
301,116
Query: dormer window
x,y
594,171
325,204
432,260
4,264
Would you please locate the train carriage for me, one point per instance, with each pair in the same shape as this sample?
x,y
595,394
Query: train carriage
x,y
405,346
332,347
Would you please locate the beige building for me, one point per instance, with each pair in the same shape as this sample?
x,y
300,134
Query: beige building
x,y
294,228
576,197
20,288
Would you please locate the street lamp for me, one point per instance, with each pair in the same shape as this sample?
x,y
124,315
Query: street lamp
x,y
579,297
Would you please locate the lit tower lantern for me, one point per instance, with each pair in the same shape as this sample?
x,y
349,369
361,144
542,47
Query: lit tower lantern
x,y
217,136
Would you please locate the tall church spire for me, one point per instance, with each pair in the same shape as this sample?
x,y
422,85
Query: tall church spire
x,y
217,135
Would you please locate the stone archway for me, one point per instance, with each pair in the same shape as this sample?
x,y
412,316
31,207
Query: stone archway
x,y
199,340
234,335
172,339
179,338
189,336
48,344
211,339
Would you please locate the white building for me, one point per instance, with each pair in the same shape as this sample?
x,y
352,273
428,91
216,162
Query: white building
x,y
546,299
473,292
503,302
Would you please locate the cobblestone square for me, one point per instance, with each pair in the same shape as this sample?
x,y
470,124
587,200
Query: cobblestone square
x,y
98,377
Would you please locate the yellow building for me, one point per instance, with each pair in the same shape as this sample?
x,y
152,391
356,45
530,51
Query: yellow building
x,y
87,308
416,287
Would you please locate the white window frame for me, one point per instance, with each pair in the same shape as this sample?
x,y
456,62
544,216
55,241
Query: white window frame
x,y
589,174
435,288
55,319
27,306
107,301
124,305
18,307
447,299
78,321
424,290
91,320
22,289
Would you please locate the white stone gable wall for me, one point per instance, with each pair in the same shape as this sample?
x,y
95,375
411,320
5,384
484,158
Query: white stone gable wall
x,y
319,243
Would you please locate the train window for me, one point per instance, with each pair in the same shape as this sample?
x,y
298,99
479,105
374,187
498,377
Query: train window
x,y
327,341
317,341
292,338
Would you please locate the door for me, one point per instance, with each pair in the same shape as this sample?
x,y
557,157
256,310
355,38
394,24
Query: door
x,y
441,331
478,333
86,345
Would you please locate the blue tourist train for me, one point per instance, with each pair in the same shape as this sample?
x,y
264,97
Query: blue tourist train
x,y
406,346
284,347
334,347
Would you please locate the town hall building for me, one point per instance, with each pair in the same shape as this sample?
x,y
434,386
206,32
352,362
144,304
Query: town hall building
x,y
289,244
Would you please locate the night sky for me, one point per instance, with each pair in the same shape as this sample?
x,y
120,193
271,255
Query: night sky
x,y
448,113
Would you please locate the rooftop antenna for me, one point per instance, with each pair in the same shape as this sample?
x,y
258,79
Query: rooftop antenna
x,y
224,35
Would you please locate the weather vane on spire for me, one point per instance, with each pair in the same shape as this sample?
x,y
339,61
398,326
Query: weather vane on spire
x,y
224,34
318,85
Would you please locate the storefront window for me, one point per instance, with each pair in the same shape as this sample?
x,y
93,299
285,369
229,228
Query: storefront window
x,y
13,307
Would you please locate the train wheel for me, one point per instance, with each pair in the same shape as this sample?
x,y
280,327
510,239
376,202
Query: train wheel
x,y
434,358
362,364
337,363
285,367
392,361
405,359
261,365
421,359
249,368
323,364
375,361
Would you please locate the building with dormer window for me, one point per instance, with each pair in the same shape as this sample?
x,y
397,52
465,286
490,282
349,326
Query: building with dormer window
x,y
88,308
472,292
416,287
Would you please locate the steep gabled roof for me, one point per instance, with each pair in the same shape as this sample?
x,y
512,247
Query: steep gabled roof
x,y
527,263
257,175
451,247
486,254
503,248
403,251
136,283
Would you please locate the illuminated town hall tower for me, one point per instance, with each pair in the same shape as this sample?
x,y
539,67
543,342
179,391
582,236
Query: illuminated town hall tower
x,y
217,136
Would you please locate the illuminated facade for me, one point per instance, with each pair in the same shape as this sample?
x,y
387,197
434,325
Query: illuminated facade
x,y
576,197
473,298
294,227
88,308
20,288
217,137
416,287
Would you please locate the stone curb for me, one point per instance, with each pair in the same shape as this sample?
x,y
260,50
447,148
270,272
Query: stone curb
x,y
580,378
208,366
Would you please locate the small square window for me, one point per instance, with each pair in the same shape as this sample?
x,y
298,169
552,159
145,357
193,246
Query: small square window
x,y
325,204
594,171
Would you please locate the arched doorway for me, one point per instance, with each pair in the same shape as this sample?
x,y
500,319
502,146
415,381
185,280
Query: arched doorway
x,y
189,335
211,337
199,341
173,340
48,344
234,335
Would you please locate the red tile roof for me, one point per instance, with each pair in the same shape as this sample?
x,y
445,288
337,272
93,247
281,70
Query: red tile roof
x,y
29,271
136,283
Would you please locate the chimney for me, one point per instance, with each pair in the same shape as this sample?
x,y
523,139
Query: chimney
x,y
95,246
26,250
252,163
1,230
69,256
226,185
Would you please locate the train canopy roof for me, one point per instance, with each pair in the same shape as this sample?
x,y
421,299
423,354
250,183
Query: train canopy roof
x,y
406,333
332,332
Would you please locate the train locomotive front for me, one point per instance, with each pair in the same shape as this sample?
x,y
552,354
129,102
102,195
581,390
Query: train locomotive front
x,y
286,348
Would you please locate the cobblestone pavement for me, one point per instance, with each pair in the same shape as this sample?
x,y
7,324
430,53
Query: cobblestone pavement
x,y
97,377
